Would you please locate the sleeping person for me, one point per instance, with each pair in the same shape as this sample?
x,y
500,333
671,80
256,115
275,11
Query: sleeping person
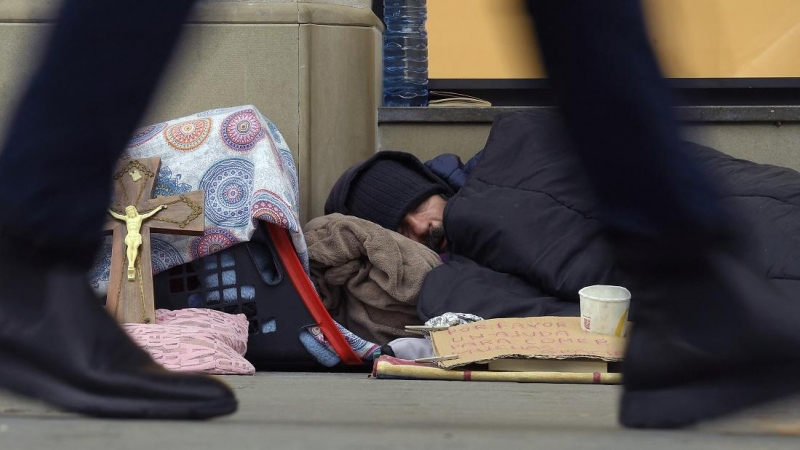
x,y
517,225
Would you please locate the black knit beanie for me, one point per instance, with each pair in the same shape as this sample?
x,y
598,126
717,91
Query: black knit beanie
x,y
388,190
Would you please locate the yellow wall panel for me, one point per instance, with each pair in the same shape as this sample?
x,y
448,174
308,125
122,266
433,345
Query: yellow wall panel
x,y
693,38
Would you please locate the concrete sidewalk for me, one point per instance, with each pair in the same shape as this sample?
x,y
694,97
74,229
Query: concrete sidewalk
x,y
351,411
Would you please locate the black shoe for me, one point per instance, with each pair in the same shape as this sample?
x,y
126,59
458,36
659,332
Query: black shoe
x,y
711,335
57,344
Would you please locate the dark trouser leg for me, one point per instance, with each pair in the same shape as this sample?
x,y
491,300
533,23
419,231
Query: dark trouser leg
x,y
101,65
57,343
618,111
711,335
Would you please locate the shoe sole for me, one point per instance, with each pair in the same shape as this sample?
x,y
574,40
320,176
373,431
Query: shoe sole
x,y
24,379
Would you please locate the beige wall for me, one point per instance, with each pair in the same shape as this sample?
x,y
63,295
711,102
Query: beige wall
x,y
311,66
339,115
19,47
428,140
211,72
693,38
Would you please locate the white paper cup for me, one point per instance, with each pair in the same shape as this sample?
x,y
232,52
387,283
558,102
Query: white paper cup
x,y
604,309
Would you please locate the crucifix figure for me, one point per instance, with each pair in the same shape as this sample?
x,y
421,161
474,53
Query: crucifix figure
x,y
130,286
133,239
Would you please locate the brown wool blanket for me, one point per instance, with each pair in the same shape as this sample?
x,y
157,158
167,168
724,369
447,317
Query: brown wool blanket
x,y
368,277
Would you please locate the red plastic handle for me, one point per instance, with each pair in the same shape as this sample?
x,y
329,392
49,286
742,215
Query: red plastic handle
x,y
302,283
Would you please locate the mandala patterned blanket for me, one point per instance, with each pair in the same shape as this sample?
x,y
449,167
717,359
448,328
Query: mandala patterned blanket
x,y
244,166
240,160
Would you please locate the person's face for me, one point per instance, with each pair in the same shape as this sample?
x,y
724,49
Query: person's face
x,y
425,225
130,211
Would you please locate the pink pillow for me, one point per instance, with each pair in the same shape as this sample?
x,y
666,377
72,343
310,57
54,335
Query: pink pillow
x,y
196,340
230,328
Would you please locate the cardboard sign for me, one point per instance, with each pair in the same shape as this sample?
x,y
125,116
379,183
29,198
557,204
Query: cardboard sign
x,y
531,337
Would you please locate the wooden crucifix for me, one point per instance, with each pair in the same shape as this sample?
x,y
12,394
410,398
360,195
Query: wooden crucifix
x,y
130,284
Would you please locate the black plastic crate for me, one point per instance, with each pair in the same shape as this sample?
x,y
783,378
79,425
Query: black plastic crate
x,y
259,279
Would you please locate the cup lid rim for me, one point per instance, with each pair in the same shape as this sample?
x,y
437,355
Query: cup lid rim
x,y
626,293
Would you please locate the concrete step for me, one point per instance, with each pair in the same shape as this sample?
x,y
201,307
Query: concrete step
x,y
764,134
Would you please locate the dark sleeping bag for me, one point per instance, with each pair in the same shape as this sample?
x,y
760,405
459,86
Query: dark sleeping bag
x,y
526,237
